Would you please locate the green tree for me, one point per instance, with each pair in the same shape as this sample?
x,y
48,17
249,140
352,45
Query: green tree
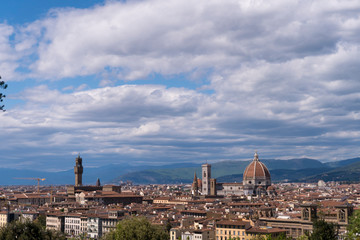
x,y
137,228
303,237
3,85
323,230
281,236
353,229
41,220
27,230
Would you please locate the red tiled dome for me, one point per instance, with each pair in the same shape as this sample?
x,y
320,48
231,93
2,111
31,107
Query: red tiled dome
x,y
256,170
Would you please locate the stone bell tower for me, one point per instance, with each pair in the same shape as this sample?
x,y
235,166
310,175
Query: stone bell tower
x,y
206,176
78,170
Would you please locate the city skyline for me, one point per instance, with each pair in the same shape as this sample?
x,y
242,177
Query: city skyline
x,y
154,82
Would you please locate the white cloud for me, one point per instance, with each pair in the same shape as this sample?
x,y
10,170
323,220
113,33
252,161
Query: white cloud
x,y
284,76
181,36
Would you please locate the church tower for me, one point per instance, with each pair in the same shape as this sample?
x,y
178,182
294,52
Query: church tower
x,y
206,175
195,186
78,170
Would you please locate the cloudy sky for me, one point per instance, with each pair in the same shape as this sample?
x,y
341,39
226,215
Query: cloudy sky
x,y
158,82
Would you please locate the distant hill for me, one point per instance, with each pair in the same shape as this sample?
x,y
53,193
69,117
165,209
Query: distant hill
x,y
349,173
280,175
90,175
342,163
302,169
225,171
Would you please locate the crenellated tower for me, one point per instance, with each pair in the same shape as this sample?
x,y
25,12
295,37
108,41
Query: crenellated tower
x,y
78,170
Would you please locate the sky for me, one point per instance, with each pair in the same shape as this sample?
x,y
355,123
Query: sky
x,y
158,82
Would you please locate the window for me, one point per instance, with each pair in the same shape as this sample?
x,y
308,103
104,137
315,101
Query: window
x,y
342,215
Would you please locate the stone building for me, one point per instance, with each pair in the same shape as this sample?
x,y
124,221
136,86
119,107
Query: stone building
x,y
295,227
256,178
256,181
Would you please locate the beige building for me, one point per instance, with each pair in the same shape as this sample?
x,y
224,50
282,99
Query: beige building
x,y
55,222
227,229
5,218
295,227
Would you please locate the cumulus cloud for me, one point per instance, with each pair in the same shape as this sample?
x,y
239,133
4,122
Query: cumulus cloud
x,y
283,76
141,37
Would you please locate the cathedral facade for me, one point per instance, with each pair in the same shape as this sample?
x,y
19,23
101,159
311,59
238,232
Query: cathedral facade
x,y
256,181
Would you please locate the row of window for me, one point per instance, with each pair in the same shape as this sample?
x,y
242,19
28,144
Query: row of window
x,y
229,232
225,238
230,226
72,221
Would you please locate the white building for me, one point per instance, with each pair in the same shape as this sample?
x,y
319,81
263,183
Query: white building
x,y
72,225
94,228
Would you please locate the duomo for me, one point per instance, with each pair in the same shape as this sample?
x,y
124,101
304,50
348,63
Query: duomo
x,y
256,182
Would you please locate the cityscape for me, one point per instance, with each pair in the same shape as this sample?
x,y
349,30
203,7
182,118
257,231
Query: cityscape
x,y
180,120
206,209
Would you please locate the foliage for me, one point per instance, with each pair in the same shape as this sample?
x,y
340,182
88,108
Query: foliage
x,y
323,230
29,231
303,237
82,236
137,228
353,229
3,85
282,236
41,221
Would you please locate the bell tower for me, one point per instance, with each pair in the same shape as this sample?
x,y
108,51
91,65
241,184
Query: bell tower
x,y
206,175
78,170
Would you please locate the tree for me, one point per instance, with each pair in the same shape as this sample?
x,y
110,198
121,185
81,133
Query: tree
x,y
282,236
137,228
41,221
29,231
323,230
3,85
353,229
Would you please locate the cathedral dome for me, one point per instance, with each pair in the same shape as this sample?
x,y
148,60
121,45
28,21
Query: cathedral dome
x,y
256,171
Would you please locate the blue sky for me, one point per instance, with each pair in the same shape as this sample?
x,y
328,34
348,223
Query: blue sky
x,y
158,82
